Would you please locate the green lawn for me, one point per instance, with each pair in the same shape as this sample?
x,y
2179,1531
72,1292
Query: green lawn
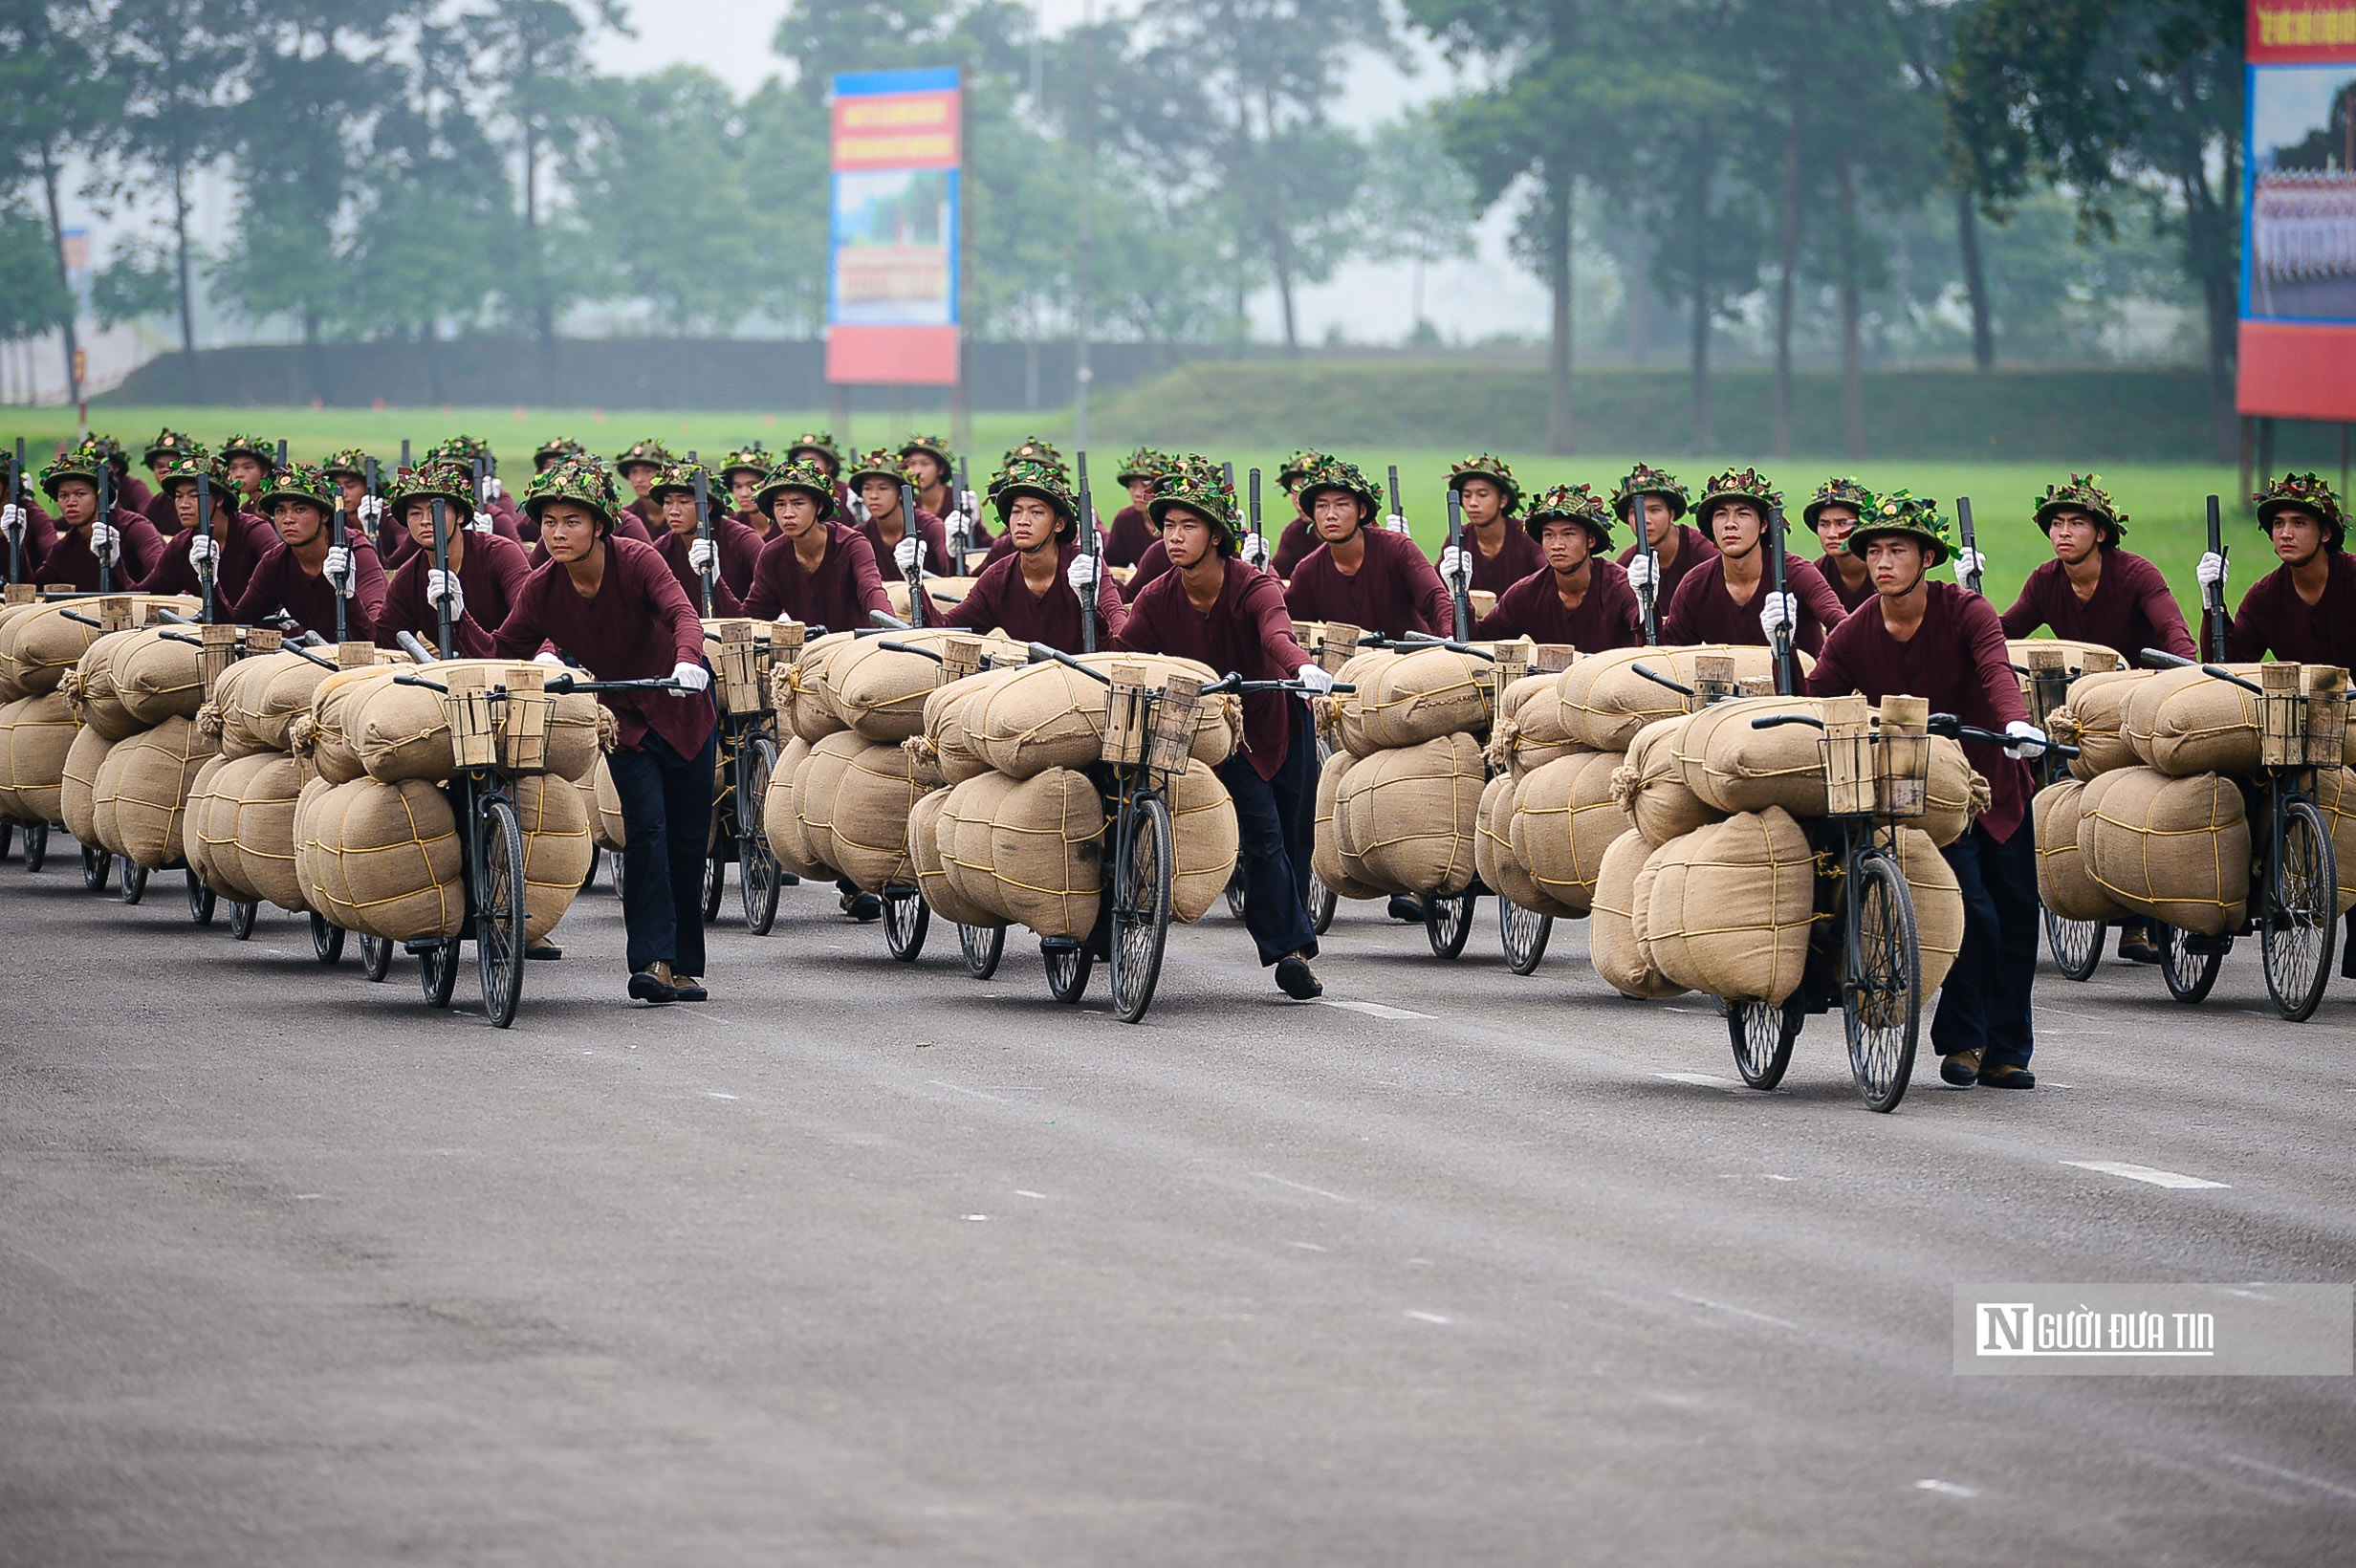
x,y
2164,501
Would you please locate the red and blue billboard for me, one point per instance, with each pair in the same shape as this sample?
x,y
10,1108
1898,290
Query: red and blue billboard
x,y
892,284
2298,352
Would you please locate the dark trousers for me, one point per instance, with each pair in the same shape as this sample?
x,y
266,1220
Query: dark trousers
x,y
1275,820
666,820
1984,1005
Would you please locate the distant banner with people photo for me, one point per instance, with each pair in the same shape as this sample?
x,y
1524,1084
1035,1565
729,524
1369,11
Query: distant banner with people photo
x,y
891,298
2298,212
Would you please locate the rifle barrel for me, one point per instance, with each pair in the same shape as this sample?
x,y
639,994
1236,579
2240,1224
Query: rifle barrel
x,y
1785,673
1459,589
204,531
2217,590
442,563
1971,540
106,477
703,528
17,567
1088,545
1650,596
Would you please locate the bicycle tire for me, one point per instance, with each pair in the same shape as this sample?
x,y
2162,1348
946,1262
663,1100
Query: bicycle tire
x,y
326,940
2189,977
8,838
98,868
715,885
134,880
1448,922
1142,872
1523,934
202,899
758,876
437,972
1234,891
982,946
500,911
36,846
2301,926
2076,945
376,959
1067,965
241,919
1762,1036
1881,991
907,919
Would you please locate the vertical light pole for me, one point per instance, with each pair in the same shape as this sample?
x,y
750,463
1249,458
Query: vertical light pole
x,y
1082,375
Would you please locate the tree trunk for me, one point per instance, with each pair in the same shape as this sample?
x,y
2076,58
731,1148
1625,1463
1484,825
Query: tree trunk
x,y
1703,436
2210,234
57,240
1282,259
1974,281
1562,431
1787,262
1852,365
543,308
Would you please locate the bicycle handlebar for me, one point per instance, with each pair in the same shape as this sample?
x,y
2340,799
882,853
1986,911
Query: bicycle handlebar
x,y
1425,639
906,647
1770,721
1237,683
1659,678
2159,659
1952,728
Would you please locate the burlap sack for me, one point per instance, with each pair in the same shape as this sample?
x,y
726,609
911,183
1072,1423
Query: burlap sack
x,y
1605,701
41,645
1493,859
402,731
1529,731
799,689
2063,884
1613,946
2094,720
2335,796
36,735
1409,814
1731,907
1037,856
606,828
932,873
159,677
2186,723
1204,837
2175,849
256,795
880,691
79,783
1735,768
383,860
328,734
782,813
1050,715
1413,698
557,851
10,687
855,800
1650,786
1938,907
1563,818
147,780
90,688
1335,865
202,844
1956,792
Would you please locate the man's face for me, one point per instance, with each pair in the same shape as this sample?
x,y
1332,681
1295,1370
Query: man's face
x,y
568,530
1140,491
417,516
744,485
677,512
1567,545
1895,563
1738,526
924,470
355,490
184,502
1834,525
1031,522
247,473
2075,534
1481,500
2298,534
795,511
1187,537
882,495
1659,519
641,478
77,502
1335,512
299,522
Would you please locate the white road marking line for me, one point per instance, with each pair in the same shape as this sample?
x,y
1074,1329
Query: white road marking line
x,y
1739,1312
2141,1173
1373,1010
1701,1080
2264,1468
1306,1245
1026,1192
1429,1317
977,1216
943,1083
1945,1489
1314,1192
1750,1175
717,1095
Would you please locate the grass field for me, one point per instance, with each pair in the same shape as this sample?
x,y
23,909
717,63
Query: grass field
x,y
2165,502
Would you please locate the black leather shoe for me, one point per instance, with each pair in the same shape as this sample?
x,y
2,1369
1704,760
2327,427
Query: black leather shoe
x,y
1959,1070
1296,979
688,988
2007,1078
547,952
646,985
1407,909
862,907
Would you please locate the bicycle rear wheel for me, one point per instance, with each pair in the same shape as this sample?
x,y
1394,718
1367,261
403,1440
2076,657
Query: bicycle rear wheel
x,y
1524,933
499,912
757,872
1142,870
906,918
2190,973
2076,944
326,940
1448,922
241,919
201,899
2302,921
983,947
1762,1036
134,880
437,972
376,958
1068,964
1881,996
98,868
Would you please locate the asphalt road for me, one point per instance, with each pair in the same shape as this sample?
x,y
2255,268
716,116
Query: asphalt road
x,y
873,1263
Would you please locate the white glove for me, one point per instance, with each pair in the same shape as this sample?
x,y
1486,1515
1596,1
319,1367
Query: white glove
x,y
909,554
702,556
13,520
1396,523
859,509
205,555
1081,575
1255,549
369,511
491,490
1455,566
105,542
338,570
479,521
690,678
2027,739
966,506
2211,571
1641,568
1777,612
442,585
1970,563
1316,677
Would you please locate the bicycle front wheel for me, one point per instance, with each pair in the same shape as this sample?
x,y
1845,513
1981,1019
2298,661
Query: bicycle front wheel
x,y
2190,974
1762,1036
202,899
134,880
1882,995
757,872
326,940
2076,944
499,912
2302,922
36,846
982,946
1524,933
376,958
1448,922
1068,964
906,918
1142,870
715,885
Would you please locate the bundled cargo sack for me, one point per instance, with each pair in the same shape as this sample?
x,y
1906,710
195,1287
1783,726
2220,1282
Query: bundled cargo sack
x,y
39,646
401,732
88,687
1731,907
1955,794
855,799
78,786
142,792
1938,907
1604,702
159,677
932,873
1493,854
1205,837
1050,715
945,724
2186,723
1615,945
2094,720
1564,818
2335,797
10,688
2175,849
326,736
201,843
383,860
37,735
1410,698
1529,732
1036,857
2063,884
881,691
1733,766
557,852
1335,865
799,689
606,828
1650,786
1408,816
264,790
941,593
782,813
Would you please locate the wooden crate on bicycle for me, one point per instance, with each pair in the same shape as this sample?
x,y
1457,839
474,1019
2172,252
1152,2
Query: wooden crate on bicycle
x,y
742,669
523,729
2281,717
2325,687
473,715
1171,744
1903,776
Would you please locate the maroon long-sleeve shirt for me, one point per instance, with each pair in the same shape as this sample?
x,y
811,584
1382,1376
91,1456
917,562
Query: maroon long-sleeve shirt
x,y
1694,549
1247,631
279,582
2131,610
1608,617
1395,590
1153,563
1703,611
839,596
1828,568
1127,538
162,512
740,553
492,573
69,557
243,538
1956,662
1515,559
637,628
2274,619
1001,601
1293,545
928,529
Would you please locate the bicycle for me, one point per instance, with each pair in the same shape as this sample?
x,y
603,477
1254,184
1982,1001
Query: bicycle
x,y
749,753
2293,906
2076,945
